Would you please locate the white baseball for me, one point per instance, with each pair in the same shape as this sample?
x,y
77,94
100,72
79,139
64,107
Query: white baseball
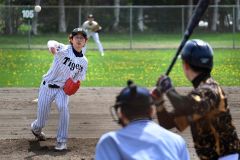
x,y
37,8
201,23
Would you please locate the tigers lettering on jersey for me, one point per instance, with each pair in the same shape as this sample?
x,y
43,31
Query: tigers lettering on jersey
x,y
72,65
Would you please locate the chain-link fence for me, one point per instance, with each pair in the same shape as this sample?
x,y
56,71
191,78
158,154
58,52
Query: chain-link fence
x,y
124,27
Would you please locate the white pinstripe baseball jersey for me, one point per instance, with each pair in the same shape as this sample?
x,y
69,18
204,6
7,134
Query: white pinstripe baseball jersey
x,y
66,65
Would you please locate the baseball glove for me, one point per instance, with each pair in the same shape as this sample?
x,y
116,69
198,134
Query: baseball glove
x,y
96,28
71,87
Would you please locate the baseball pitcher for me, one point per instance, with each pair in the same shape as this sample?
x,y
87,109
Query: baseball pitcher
x,y
62,80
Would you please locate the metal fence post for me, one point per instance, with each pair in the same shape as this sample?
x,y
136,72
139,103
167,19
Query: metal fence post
x,y
183,20
29,32
233,24
130,27
79,16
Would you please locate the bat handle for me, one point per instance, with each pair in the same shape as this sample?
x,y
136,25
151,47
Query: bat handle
x,y
184,40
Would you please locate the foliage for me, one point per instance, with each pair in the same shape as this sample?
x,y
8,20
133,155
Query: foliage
x,y
24,68
107,2
165,19
23,28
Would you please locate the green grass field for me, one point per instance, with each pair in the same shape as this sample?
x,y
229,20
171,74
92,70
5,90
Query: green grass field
x,y
24,68
122,41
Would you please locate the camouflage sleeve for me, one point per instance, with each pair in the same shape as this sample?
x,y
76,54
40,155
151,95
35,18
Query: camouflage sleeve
x,y
181,103
165,118
197,103
169,119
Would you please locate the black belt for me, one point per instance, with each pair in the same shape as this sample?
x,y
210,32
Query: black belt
x,y
51,85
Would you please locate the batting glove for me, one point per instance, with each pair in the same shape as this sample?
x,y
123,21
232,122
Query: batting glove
x,y
157,96
164,84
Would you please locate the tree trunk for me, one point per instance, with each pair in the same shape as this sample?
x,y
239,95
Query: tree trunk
x,y
8,19
79,16
61,20
35,20
87,3
116,14
190,9
141,26
238,15
215,16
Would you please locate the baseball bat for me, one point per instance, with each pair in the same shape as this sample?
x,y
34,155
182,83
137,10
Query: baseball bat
x,y
192,23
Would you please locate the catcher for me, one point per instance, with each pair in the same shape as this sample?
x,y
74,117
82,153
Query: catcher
x,y
92,28
140,138
204,109
62,80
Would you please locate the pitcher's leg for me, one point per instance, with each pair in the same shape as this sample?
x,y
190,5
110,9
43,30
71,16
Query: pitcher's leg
x,y
62,104
45,99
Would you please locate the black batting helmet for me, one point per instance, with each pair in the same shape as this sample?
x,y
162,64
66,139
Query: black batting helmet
x,y
198,54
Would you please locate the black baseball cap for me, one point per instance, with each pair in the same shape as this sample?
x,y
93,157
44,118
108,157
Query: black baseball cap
x,y
79,30
134,101
134,97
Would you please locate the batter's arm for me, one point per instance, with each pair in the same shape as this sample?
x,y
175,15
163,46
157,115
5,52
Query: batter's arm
x,y
181,103
165,118
170,120
192,107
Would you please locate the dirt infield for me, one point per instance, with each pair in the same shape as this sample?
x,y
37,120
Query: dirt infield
x,y
89,119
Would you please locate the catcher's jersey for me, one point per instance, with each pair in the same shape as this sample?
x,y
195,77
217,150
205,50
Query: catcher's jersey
x,y
142,139
89,27
67,63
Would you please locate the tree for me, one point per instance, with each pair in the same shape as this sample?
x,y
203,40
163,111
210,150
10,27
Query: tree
x,y
190,9
116,14
61,21
140,23
35,19
215,16
140,18
8,20
238,15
